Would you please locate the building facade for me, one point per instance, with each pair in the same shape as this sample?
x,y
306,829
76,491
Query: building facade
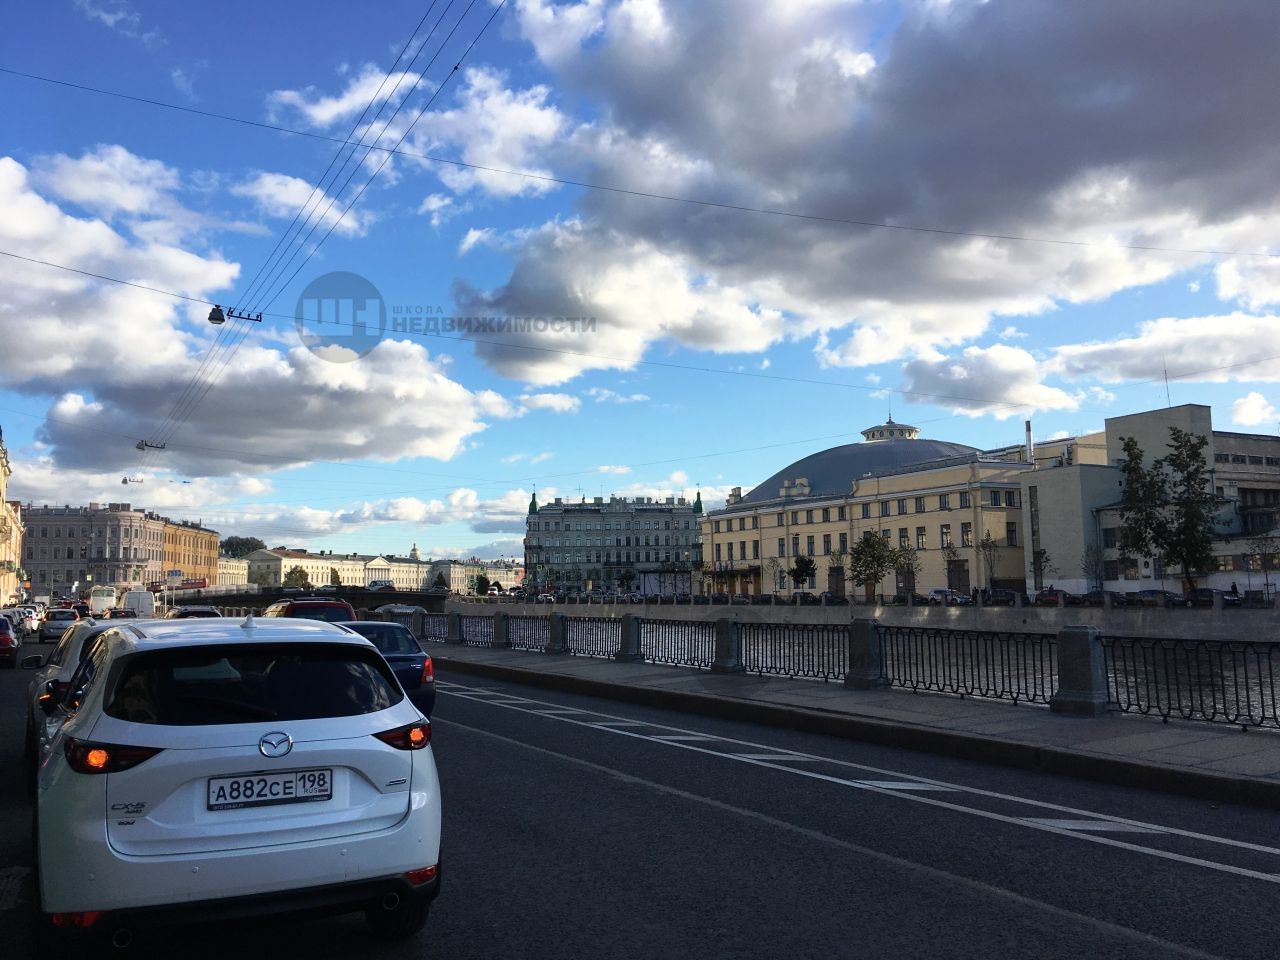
x,y
232,571
646,544
113,544
270,567
956,510
190,551
11,569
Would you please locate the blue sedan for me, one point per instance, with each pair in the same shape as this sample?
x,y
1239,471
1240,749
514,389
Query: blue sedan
x,y
410,663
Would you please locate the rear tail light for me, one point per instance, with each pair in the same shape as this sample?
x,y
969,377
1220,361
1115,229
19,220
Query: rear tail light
x,y
428,671
421,875
86,757
414,736
85,919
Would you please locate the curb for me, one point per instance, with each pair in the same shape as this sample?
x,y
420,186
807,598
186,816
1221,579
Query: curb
x,y
1025,756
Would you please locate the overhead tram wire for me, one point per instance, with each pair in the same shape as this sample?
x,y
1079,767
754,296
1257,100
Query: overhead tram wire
x,y
258,304
752,374
643,194
200,383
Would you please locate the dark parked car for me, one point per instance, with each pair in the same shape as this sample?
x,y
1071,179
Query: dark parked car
x,y
1050,598
1160,598
740,599
1203,597
9,643
410,663
1001,598
833,600
804,598
720,598
900,599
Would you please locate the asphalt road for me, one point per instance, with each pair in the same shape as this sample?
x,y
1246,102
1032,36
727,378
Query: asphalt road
x,y
577,827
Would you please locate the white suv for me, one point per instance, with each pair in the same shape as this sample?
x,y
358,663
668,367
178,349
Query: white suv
x,y
213,768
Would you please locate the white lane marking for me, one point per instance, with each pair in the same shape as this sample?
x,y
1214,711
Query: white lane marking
x,y
617,723
906,785
681,736
780,757
959,787
11,879
936,873
1106,826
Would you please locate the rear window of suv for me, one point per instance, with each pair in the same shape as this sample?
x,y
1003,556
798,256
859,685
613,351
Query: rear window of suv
x,y
242,683
329,612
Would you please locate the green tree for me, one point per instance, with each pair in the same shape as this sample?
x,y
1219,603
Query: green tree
x,y
482,585
297,577
801,570
870,560
626,578
261,579
1167,509
240,547
335,578
439,581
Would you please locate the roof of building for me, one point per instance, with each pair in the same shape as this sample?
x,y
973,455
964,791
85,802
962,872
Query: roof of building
x,y
832,472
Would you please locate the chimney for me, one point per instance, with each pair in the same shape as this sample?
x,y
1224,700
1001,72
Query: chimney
x,y
1031,447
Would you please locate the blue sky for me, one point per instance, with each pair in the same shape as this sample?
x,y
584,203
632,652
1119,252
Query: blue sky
x,y
726,343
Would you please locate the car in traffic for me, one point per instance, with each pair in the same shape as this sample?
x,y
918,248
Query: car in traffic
x,y
1052,597
382,586
10,643
901,599
410,663
55,621
237,759
829,599
999,597
119,613
950,598
189,612
312,608
1160,598
1204,597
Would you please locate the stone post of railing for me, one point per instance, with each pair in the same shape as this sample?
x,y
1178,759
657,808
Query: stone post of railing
x,y
863,672
1217,599
629,651
418,623
555,633
1062,598
500,636
1082,673
728,653
1108,601
455,628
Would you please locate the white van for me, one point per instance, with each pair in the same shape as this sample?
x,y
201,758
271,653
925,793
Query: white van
x,y
141,602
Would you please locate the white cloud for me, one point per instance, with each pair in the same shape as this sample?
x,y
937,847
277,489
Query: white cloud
x,y
999,380
1012,333
555,402
528,457
612,468
1253,410
472,238
121,17
441,209
282,196
605,395
369,85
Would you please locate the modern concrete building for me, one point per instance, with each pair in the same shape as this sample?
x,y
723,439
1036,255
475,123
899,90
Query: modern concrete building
x,y
645,544
959,508
1072,507
11,569
110,544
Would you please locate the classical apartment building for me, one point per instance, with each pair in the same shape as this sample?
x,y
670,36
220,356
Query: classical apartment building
x,y
190,551
270,567
232,571
112,543
646,544
10,535
960,508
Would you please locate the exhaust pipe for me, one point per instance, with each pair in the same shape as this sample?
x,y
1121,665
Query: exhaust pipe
x,y
390,901
122,939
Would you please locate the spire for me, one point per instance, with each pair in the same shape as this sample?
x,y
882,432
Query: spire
x,y
533,503
697,503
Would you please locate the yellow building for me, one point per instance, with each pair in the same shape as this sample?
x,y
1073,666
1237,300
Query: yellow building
x,y
957,507
191,549
10,535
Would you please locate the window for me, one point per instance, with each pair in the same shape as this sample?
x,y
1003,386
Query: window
x,y
884,508
964,499
1222,458
1011,533
795,544
966,534
782,519
795,516
1110,569
902,505
808,546
742,549
944,535
742,523
1238,458
886,534
866,511
755,549
919,504
729,551
717,552
755,522
1131,569
1109,538
844,543
995,498
826,514
782,546
716,526
840,513
826,544
808,516
1011,498
922,542
904,537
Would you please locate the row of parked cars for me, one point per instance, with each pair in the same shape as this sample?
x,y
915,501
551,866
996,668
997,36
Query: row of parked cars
x,y
234,756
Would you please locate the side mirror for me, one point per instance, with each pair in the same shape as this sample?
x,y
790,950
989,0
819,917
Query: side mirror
x,y
33,662
48,699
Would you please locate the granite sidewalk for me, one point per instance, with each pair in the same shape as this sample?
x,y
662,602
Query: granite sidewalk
x,y
1208,760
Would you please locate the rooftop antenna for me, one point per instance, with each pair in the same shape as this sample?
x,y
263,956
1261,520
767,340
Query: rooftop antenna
x,y
1168,400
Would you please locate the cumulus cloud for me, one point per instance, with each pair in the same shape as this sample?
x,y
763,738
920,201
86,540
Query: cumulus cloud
x,y
369,84
528,457
555,402
605,395
282,196
610,468
999,380
1253,410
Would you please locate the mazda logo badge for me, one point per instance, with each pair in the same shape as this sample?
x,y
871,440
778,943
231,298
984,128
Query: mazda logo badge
x,y
275,744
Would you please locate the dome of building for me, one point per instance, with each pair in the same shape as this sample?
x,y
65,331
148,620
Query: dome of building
x,y
887,448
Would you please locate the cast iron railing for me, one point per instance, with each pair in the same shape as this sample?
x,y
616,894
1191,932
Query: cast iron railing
x,y
528,633
973,663
1223,681
592,636
435,626
686,643
819,650
477,631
